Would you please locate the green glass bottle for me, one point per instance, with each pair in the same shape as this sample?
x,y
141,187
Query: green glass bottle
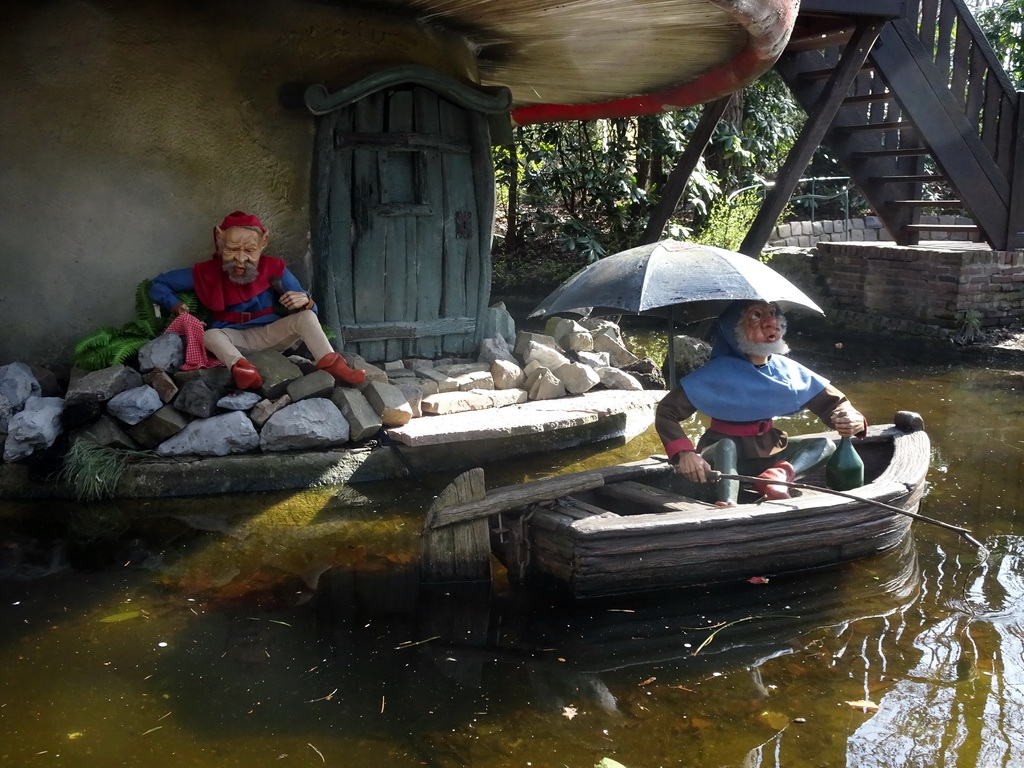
x,y
844,470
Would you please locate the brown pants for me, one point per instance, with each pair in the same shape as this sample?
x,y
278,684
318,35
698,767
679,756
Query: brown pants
x,y
229,344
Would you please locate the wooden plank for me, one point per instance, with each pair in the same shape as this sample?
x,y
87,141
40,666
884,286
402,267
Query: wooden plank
x,y
956,147
1015,219
405,141
340,279
429,254
928,22
516,496
887,8
819,119
961,65
369,237
459,552
409,329
459,239
398,188
943,53
324,281
484,188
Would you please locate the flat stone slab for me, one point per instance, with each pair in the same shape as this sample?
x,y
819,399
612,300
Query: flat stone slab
x,y
525,418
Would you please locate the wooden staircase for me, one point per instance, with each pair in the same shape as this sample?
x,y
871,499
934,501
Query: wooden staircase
x,y
911,99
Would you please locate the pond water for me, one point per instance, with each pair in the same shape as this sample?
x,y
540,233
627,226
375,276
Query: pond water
x,y
290,629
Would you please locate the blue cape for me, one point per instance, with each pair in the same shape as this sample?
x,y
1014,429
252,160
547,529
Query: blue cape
x,y
731,388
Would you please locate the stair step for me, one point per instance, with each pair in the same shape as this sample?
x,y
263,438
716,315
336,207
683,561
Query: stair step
x,y
929,203
894,126
911,178
942,228
867,98
824,74
898,152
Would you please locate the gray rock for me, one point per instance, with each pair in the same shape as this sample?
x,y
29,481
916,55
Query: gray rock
x,y
498,322
238,401
595,359
105,431
545,354
363,421
614,378
135,404
413,394
546,386
506,375
166,422
388,402
47,381
264,409
35,427
523,339
166,351
162,382
577,378
220,435
311,424
198,398
316,384
276,370
6,411
495,348
18,384
618,355
99,386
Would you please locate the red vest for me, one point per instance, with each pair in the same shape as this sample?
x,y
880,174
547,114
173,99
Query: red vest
x,y
216,291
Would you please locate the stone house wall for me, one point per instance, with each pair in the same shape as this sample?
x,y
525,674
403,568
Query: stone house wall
x,y
910,289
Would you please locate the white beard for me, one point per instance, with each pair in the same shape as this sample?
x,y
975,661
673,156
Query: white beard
x,y
764,348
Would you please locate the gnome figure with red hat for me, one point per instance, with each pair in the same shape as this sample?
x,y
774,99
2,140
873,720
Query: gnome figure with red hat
x,y
239,286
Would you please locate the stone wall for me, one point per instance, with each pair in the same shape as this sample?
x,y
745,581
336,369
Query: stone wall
x,y
804,234
910,289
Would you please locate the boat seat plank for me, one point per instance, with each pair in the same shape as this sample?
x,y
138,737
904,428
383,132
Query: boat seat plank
x,y
646,497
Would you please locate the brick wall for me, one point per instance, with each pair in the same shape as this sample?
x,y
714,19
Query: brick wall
x,y
915,290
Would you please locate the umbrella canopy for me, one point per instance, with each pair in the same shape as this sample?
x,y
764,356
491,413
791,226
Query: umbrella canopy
x,y
698,279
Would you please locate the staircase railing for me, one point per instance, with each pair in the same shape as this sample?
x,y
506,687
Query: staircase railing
x,y
962,55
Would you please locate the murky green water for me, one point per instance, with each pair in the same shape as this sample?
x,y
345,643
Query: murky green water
x,y
290,629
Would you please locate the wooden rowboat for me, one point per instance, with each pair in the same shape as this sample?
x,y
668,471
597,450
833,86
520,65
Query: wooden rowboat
x,y
639,527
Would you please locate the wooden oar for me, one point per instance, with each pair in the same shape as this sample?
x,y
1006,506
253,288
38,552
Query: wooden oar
x,y
714,475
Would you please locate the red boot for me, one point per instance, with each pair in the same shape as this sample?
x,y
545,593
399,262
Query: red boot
x,y
245,375
335,365
782,471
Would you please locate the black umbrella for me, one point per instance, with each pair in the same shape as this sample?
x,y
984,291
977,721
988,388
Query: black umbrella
x,y
695,281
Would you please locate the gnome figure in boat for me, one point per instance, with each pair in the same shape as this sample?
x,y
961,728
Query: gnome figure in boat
x,y
244,290
747,382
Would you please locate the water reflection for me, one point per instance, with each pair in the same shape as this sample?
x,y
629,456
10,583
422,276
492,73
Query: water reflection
x,y
283,627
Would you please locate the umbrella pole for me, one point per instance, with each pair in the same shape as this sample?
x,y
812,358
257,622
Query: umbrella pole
x,y
671,347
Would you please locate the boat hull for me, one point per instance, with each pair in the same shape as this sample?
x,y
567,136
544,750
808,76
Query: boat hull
x,y
656,542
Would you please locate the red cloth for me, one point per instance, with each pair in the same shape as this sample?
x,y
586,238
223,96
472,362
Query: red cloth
x,y
196,354
216,291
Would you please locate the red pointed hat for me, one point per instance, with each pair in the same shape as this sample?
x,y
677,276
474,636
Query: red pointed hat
x,y
242,219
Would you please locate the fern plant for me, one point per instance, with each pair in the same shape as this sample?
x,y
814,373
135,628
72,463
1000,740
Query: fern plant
x,y
108,346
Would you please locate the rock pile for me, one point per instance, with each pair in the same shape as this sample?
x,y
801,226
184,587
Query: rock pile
x,y
156,406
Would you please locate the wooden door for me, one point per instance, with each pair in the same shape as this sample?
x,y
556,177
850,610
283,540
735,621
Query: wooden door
x,y
406,193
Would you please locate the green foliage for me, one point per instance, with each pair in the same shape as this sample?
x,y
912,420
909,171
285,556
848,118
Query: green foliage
x,y
570,193
1003,25
108,346
93,470
968,327
729,220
